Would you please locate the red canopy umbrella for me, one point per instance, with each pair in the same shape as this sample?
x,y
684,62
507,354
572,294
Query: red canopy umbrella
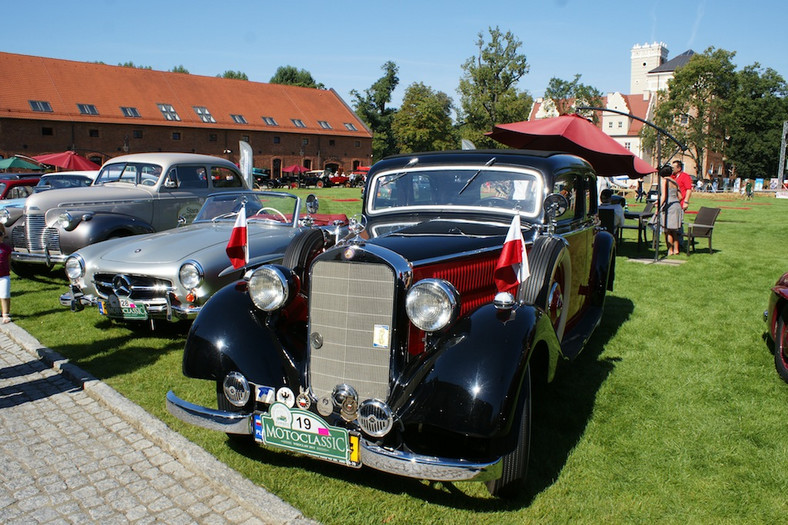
x,y
67,160
294,168
574,134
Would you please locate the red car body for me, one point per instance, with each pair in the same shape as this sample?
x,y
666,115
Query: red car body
x,y
776,316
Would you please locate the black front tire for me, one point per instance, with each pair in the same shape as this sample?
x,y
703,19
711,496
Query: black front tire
x,y
27,270
781,345
515,463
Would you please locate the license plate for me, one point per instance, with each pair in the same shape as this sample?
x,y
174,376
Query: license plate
x,y
119,308
304,432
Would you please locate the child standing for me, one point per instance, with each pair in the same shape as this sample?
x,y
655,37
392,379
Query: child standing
x,y
5,277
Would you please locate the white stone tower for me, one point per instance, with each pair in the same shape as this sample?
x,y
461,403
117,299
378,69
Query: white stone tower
x,y
645,58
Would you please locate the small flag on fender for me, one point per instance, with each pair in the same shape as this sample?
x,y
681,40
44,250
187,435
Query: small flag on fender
x,y
238,249
512,266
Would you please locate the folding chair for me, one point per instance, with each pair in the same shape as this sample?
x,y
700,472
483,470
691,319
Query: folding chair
x,y
702,227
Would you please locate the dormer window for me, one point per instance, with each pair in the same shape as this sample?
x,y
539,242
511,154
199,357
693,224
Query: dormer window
x,y
238,119
350,127
40,105
169,112
130,112
270,121
204,114
324,124
298,122
87,109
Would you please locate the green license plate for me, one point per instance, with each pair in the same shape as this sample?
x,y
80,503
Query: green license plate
x,y
118,308
304,432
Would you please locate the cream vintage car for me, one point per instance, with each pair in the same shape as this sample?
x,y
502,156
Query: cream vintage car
x,y
132,194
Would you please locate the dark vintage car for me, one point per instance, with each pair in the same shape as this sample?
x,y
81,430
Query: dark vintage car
x,y
395,349
776,317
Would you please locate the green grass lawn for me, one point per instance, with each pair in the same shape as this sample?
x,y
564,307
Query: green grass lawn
x,y
673,413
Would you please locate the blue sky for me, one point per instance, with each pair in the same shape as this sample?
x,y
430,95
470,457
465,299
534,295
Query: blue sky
x,y
343,44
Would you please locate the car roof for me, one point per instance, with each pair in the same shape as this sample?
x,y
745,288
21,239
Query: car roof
x,y
92,174
171,158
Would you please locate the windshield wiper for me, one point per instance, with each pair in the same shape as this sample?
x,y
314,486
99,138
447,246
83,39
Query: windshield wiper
x,y
412,162
487,165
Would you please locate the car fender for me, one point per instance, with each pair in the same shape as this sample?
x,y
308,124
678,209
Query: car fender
x,y
93,227
230,334
472,384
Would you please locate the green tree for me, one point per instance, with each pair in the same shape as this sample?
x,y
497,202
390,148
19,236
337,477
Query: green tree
x,y
238,75
697,99
567,95
754,123
423,122
488,87
292,76
179,69
131,64
372,108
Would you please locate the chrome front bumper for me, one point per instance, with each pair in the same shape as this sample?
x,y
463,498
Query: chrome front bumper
x,y
396,462
39,258
169,312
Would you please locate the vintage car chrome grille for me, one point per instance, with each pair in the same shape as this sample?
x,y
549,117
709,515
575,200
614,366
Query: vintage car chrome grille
x,y
140,287
39,236
351,327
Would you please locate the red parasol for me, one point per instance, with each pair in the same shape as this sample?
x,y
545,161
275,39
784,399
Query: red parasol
x,y
67,160
294,168
576,135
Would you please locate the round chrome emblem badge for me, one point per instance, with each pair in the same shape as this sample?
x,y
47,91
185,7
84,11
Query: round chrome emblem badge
x,y
121,285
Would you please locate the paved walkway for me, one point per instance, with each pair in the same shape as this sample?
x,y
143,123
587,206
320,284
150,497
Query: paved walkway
x,y
73,450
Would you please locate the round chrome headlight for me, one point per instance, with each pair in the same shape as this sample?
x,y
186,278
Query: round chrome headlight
x,y
236,389
64,220
268,288
432,304
75,267
4,215
190,275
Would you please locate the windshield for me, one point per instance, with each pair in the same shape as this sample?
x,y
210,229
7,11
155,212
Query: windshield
x,y
260,206
491,188
131,173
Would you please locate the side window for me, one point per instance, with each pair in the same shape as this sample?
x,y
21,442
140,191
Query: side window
x,y
19,192
192,177
567,185
225,178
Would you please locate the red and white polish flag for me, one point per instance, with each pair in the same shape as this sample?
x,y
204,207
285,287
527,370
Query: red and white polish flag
x,y
512,267
238,247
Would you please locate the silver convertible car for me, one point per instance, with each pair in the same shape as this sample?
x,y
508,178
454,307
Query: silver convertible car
x,y
169,275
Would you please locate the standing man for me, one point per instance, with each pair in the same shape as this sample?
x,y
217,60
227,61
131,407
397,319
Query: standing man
x,y
684,182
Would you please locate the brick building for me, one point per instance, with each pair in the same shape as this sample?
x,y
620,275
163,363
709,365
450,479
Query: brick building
x,y
50,105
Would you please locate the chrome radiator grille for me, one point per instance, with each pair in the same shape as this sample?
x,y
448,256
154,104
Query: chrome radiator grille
x,y
39,236
351,327
140,287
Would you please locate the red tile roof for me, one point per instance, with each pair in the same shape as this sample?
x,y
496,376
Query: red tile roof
x,y
64,84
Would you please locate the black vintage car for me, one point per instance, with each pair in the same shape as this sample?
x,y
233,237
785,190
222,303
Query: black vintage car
x,y
395,349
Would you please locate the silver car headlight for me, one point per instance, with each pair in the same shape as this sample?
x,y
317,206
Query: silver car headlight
x,y
64,220
190,275
269,288
5,216
75,268
432,304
